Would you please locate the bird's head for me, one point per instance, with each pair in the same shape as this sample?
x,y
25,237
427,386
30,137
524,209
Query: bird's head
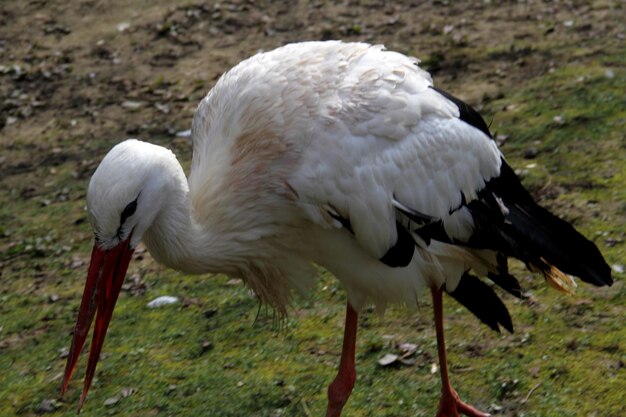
x,y
125,194
127,191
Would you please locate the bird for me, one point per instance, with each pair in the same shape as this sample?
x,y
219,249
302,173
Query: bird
x,y
335,154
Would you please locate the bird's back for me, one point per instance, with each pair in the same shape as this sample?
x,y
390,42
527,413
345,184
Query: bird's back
x,y
278,102
325,119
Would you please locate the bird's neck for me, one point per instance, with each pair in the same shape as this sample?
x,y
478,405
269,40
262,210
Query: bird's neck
x,y
175,238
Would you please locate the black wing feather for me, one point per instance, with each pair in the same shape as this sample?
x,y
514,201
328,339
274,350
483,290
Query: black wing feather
x,y
531,233
401,253
483,302
466,112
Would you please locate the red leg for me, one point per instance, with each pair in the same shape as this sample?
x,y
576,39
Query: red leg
x,y
450,404
339,390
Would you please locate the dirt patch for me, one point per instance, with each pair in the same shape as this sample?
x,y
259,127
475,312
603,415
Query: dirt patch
x,y
79,62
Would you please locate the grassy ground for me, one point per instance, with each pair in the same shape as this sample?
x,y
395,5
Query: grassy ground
x,y
76,77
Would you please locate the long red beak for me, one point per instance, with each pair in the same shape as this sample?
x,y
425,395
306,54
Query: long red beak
x,y
107,270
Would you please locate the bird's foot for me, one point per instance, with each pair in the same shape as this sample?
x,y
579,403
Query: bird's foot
x,y
451,405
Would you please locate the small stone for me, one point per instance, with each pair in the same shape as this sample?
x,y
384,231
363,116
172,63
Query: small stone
x,y
407,361
63,353
26,112
433,368
558,120
205,347
162,301
47,406
110,402
531,153
77,261
501,138
409,348
183,133
132,105
388,359
127,392
123,27
495,407
617,268
163,108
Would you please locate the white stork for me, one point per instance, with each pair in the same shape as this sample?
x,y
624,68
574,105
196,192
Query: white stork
x,y
338,154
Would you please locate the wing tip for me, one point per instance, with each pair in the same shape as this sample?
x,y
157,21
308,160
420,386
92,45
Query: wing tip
x,y
482,301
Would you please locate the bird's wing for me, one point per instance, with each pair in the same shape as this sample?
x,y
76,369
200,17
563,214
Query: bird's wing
x,y
358,134
395,161
390,148
350,127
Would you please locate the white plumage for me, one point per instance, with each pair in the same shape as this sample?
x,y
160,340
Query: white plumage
x,y
318,128
329,153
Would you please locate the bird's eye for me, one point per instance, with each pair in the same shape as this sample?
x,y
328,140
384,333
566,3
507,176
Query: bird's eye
x,y
128,211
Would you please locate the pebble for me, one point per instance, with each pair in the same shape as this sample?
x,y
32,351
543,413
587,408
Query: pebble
x,y
47,406
123,27
531,153
501,138
388,359
109,402
162,301
205,347
132,105
184,133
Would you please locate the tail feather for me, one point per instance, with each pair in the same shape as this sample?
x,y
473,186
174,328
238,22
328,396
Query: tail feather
x,y
509,221
507,282
558,243
503,279
483,302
